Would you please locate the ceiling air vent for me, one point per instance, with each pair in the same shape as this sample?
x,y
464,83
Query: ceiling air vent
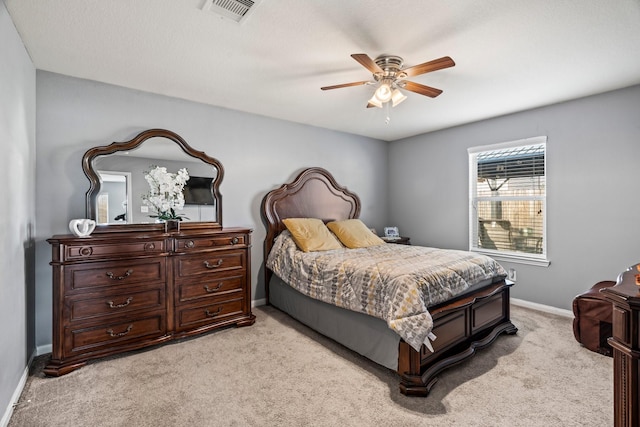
x,y
236,10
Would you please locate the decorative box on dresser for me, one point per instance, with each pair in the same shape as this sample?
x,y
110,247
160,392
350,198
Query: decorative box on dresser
x,y
120,291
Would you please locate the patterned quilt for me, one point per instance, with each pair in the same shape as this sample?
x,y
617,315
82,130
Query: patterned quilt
x,y
395,283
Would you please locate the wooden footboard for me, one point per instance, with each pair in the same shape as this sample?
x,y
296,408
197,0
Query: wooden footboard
x,y
461,327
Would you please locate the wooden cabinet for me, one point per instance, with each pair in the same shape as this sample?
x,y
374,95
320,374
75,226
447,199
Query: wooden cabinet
x,y
121,291
625,297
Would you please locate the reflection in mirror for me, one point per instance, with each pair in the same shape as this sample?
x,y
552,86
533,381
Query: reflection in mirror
x,y
118,184
113,205
138,162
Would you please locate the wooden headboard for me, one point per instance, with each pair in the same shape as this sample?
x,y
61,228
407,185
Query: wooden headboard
x,y
313,194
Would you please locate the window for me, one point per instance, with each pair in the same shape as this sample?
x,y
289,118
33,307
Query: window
x,y
507,200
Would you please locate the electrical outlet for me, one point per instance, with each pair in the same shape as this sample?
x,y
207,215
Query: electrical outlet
x,y
144,209
511,274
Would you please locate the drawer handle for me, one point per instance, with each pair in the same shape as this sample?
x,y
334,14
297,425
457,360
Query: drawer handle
x,y
119,334
112,276
112,305
214,314
216,288
216,265
235,241
149,246
86,251
189,244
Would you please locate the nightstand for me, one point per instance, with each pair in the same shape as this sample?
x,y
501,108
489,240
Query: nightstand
x,y
399,240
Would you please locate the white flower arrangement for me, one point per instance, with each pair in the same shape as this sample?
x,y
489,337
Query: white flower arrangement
x,y
165,192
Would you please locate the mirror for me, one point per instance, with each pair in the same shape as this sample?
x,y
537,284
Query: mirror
x,y
117,172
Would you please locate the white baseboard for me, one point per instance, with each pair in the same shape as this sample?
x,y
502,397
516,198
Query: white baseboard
x,y
4,422
258,302
542,307
44,349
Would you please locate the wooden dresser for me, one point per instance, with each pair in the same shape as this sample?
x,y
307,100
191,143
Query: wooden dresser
x,y
121,291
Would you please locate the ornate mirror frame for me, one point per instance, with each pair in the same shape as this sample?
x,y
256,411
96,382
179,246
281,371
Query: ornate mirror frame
x,y
114,147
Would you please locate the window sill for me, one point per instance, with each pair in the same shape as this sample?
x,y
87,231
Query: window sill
x,y
520,259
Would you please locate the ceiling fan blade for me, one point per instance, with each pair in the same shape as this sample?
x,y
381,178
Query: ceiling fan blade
x,y
367,62
345,85
422,89
427,67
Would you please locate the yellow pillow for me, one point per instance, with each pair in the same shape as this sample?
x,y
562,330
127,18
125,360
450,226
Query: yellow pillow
x,y
310,234
354,234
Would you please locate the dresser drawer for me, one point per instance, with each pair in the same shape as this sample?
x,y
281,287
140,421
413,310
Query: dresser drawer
x,y
209,314
93,306
210,287
116,273
121,249
209,263
116,333
228,240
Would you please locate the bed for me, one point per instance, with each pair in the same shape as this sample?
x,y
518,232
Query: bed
x,y
464,323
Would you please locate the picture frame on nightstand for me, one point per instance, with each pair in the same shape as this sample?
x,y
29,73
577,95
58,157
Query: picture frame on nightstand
x,y
391,233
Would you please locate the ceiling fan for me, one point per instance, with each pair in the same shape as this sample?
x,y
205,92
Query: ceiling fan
x,y
391,77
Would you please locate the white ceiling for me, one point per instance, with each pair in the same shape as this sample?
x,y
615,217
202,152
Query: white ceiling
x,y
510,55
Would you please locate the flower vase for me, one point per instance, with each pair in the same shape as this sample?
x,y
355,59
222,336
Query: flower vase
x,y
171,225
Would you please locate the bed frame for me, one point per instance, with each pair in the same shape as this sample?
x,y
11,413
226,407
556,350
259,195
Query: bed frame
x,y
462,325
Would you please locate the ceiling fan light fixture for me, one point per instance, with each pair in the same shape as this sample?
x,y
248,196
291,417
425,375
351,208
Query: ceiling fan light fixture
x,y
397,97
383,93
374,101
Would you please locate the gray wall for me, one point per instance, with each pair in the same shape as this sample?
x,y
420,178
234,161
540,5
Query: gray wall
x,y
593,197
17,192
258,155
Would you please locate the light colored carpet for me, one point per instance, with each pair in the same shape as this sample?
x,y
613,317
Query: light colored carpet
x,y
279,373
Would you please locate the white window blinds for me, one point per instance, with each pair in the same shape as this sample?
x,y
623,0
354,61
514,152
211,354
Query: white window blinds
x,y
508,198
